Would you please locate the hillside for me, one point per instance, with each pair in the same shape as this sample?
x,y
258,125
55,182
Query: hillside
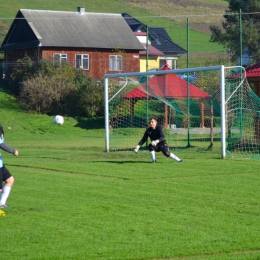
x,y
171,14
201,13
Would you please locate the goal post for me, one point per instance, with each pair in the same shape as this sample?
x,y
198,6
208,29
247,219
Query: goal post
x,y
223,111
127,97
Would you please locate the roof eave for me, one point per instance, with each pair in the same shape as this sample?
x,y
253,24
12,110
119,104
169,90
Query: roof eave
x,y
17,46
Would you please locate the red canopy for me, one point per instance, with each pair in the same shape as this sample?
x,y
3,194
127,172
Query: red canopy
x,y
167,86
251,72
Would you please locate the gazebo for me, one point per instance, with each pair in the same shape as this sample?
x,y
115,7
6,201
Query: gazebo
x,y
168,86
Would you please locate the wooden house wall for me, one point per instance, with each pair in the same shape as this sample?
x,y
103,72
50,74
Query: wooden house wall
x,y
98,59
14,55
11,58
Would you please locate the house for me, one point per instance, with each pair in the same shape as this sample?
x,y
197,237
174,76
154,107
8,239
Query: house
x,y
98,43
159,39
152,61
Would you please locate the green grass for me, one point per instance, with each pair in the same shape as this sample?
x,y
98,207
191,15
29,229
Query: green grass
x,y
71,200
85,204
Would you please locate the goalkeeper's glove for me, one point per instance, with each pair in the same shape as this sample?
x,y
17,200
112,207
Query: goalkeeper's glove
x,y
155,142
136,148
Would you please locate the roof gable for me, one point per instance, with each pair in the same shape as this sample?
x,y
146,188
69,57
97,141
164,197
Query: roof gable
x,y
72,29
162,41
20,31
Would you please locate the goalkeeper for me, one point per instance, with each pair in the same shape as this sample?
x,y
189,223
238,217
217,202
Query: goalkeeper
x,y
158,143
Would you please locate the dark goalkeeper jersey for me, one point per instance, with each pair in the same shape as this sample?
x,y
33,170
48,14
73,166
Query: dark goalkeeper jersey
x,y
154,134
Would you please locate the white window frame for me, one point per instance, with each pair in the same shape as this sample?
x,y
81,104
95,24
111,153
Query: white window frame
x,y
59,58
82,62
115,62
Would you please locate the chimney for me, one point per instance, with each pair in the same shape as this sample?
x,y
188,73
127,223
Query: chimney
x,y
81,10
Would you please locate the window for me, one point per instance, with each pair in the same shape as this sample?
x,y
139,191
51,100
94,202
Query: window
x,y
115,62
82,61
157,41
59,58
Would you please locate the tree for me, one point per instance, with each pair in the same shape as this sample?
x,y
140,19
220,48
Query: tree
x,y
250,19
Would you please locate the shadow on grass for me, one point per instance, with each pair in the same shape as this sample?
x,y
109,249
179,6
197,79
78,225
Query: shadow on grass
x,y
123,162
90,123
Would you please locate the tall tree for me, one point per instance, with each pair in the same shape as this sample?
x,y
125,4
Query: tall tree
x,y
229,35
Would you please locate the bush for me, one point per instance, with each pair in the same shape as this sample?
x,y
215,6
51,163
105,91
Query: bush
x,y
90,96
46,94
59,90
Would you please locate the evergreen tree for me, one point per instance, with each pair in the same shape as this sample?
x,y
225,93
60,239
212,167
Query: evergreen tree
x,y
230,36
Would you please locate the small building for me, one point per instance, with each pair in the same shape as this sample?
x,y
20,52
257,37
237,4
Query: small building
x,y
150,56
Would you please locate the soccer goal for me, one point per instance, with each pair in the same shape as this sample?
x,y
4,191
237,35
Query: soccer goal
x,y
191,104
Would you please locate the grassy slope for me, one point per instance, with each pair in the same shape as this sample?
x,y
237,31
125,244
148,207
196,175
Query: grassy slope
x,y
146,11
73,201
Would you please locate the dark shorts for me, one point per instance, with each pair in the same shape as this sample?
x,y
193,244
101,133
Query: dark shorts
x,y
4,175
161,147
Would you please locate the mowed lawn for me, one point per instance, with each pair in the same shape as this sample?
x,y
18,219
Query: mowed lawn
x,y
72,200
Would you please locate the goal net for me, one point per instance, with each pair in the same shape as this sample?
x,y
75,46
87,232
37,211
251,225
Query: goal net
x,y
187,103
242,117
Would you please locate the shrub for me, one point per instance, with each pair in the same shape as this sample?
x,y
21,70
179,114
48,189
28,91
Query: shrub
x,y
46,94
90,96
60,90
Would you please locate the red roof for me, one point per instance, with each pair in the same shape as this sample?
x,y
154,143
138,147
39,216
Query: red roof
x,y
151,51
253,71
167,86
140,33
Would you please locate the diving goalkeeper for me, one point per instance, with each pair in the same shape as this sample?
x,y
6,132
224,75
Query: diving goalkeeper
x,y
158,142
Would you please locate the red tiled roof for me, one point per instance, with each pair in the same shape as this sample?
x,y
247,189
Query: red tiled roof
x,y
167,86
253,71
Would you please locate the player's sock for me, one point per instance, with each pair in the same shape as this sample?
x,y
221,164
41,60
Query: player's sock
x,y
174,157
5,193
152,153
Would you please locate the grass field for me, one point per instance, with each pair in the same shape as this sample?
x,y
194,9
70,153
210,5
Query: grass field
x,y
71,200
